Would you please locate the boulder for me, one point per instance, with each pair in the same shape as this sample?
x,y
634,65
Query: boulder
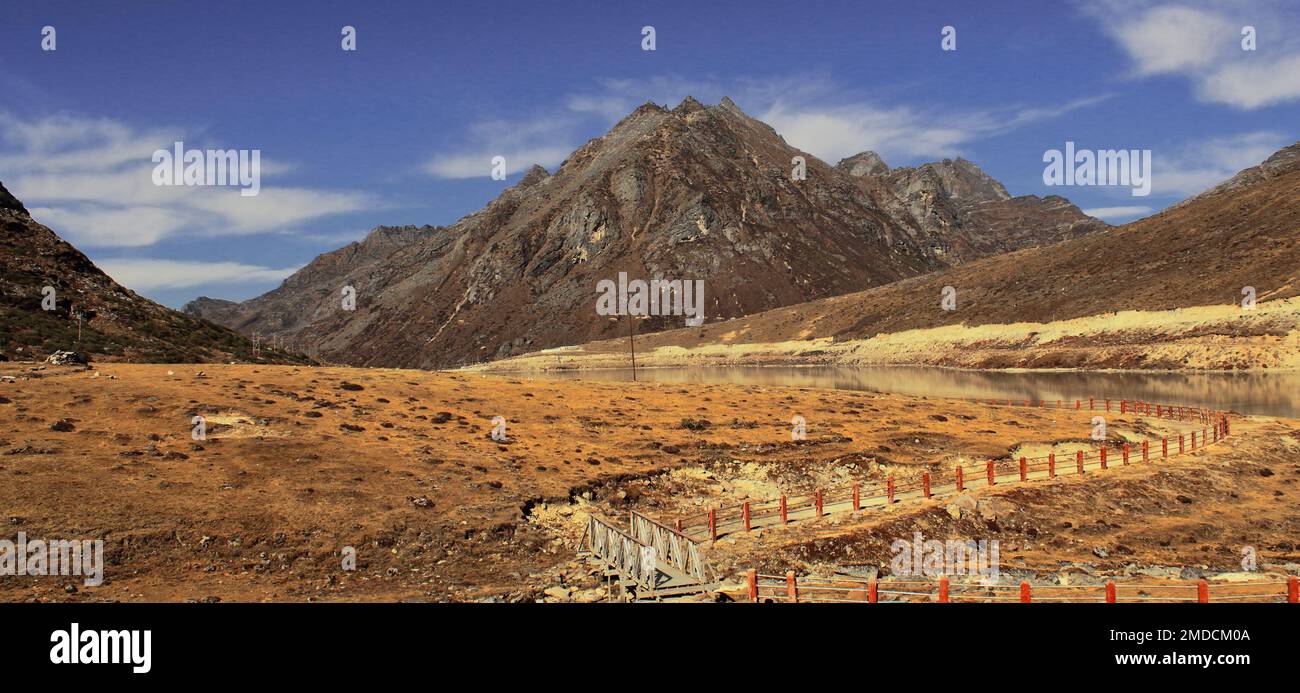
x,y
67,358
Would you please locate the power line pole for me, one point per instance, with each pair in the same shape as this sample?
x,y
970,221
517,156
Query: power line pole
x,y
631,340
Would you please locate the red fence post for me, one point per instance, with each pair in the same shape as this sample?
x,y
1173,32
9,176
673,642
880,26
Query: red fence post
x,y
889,489
1092,403
1193,441
1024,592
1078,458
1203,592
1123,406
1293,590
1110,592
1051,465
713,524
791,587
1024,472
872,595
960,486
990,472
1107,404
857,496
1159,411
1180,443
943,589
1078,404
1125,450
679,526
1103,456
1164,447
1145,450
744,509
753,585
785,517
925,483
818,498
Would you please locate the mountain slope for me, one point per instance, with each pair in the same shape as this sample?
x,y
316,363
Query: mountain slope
x,y
117,323
692,193
314,288
1202,252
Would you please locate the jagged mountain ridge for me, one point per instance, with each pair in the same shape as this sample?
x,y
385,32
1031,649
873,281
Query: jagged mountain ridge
x,y
689,193
1200,252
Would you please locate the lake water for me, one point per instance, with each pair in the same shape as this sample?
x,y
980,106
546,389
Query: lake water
x,y
1276,393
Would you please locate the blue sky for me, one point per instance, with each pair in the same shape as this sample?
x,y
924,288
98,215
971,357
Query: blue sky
x,y
403,129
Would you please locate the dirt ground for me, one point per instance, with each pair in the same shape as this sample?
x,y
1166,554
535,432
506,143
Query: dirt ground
x,y
300,462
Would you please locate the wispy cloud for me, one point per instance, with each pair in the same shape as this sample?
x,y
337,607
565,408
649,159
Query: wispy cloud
x,y
545,140
1197,166
834,132
813,113
91,179
1201,41
153,275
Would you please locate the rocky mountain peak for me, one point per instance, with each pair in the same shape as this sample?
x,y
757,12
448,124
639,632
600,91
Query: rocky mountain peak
x,y
535,174
688,105
866,163
956,179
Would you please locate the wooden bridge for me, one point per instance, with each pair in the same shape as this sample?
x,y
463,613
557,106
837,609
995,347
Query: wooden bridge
x,y
652,560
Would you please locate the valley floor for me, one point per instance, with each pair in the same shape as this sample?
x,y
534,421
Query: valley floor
x,y
300,463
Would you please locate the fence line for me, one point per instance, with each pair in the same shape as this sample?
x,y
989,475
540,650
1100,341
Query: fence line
x,y
790,588
748,515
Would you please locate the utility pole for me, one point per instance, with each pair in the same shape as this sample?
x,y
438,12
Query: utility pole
x,y
631,340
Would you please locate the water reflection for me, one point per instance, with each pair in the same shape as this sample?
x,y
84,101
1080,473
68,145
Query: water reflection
x,y
1249,393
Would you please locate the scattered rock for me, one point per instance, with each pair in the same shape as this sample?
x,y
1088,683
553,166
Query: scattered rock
x,y
962,505
67,358
557,592
991,509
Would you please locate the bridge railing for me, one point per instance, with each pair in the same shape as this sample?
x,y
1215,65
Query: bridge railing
x,y
671,546
620,551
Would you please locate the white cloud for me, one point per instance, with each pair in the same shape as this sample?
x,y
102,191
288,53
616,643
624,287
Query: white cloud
x,y
1117,212
1200,165
91,180
834,132
545,140
143,275
1255,85
119,227
1200,40
478,164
